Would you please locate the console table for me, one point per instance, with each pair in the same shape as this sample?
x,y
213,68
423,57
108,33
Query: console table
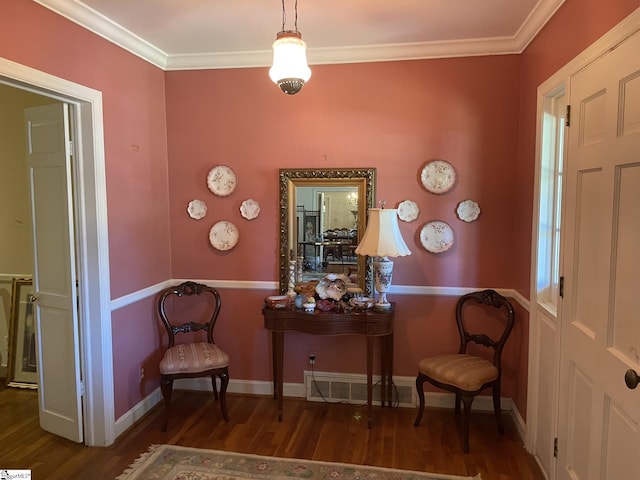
x,y
370,323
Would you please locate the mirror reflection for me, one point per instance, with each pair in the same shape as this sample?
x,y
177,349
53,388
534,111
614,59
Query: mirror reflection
x,y
327,231
323,217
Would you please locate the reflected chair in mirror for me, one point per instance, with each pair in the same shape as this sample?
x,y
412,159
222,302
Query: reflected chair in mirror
x,y
192,309
478,364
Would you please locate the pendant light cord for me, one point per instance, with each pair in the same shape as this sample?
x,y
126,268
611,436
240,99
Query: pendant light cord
x,y
284,16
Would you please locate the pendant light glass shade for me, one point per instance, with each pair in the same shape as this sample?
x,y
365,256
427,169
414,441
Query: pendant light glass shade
x,y
290,70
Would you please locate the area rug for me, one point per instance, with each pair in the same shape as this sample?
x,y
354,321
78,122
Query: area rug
x,y
173,462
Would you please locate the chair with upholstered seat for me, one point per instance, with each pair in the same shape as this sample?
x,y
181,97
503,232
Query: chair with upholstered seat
x,y
469,372
197,357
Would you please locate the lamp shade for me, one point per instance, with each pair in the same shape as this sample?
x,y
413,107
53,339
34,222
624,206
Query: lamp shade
x,y
289,70
382,237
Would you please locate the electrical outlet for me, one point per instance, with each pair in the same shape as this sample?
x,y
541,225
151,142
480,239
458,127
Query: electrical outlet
x,y
141,373
312,358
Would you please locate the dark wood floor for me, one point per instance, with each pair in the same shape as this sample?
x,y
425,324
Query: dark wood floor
x,y
309,430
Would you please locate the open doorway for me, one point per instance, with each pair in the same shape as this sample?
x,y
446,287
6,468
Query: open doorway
x,y
85,105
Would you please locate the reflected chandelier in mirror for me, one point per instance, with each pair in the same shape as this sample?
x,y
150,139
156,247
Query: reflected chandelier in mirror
x,y
323,215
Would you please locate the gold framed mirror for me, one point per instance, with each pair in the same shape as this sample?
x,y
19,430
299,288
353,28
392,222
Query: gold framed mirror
x,y
323,215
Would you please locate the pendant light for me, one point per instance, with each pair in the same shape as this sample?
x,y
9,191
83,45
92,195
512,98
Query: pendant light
x,y
289,70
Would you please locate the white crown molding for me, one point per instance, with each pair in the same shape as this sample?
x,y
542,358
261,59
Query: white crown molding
x,y
106,28
537,19
78,12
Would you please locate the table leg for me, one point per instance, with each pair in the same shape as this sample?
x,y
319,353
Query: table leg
x,y
383,370
370,380
389,368
278,366
274,364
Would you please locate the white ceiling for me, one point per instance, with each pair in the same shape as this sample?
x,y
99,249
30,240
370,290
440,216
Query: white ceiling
x,y
192,34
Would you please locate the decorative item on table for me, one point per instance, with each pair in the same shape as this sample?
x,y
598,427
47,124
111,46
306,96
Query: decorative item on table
x,y
291,284
362,303
332,286
299,268
300,300
382,239
278,301
326,305
309,305
308,289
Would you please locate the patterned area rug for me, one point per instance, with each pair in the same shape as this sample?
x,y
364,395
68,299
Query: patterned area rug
x,y
172,462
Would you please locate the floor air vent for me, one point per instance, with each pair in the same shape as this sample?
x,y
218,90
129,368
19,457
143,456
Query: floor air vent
x,y
351,388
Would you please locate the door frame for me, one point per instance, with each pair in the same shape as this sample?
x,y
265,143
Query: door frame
x,y
559,79
92,245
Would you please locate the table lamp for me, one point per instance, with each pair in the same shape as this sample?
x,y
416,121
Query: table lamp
x,y
382,239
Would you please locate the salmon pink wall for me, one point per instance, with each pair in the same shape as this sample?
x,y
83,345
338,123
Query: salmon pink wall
x,y
133,94
394,116
134,132
575,26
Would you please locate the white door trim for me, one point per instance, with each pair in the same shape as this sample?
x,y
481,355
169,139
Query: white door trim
x,y
91,241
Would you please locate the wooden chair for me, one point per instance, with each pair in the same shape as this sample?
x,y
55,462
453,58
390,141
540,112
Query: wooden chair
x,y
466,374
194,358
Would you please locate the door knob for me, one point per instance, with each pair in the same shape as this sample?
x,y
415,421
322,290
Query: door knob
x,y
631,378
32,298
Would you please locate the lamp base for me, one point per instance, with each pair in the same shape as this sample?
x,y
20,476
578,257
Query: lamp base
x,y
382,272
383,307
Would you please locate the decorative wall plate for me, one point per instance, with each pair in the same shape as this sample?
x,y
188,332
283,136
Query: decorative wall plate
x,y
438,176
468,211
197,209
223,235
221,180
408,211
436,236
250,209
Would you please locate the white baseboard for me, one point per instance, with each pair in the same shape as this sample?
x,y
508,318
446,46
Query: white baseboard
x,y
137,412
519,423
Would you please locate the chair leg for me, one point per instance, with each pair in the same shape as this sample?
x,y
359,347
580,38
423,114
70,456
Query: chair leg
x,y
224,381
496,408
420,390
467,401
166,385
456,407
214,384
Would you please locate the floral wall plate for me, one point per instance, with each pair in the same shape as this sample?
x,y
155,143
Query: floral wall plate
x,y
436,236
250,209
197,209
408,211
221,180
438,176
223,235
468,211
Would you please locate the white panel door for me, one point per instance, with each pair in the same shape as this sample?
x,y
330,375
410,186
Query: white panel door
x,y
599,418
49,164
